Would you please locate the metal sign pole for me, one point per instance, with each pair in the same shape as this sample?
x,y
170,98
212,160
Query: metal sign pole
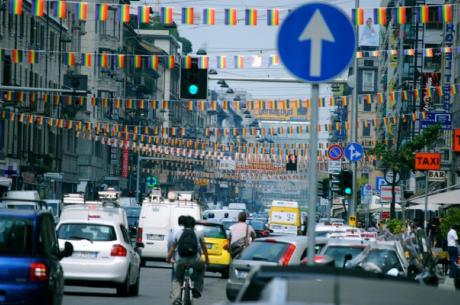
x,y
312,187
425,222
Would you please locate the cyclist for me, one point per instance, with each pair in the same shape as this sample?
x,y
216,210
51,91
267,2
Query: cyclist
x,y
189,245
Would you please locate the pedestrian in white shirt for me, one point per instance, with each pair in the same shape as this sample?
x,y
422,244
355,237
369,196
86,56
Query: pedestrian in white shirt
x,y
241,235
452,248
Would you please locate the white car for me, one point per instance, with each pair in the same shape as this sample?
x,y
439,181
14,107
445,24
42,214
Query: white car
x,y
103,255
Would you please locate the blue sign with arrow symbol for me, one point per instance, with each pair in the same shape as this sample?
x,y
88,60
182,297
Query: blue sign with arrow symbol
x,y
354,152
316,42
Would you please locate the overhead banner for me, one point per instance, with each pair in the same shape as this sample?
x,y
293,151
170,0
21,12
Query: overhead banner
x,y
280,114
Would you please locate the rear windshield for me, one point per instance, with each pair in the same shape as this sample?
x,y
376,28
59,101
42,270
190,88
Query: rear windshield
x,y
21,206
257,225
133,212
91,232
338,253
211,231
264,251
15,236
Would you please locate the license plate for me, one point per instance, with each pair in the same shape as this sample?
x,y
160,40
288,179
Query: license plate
x,y
81,254
155,237
209,246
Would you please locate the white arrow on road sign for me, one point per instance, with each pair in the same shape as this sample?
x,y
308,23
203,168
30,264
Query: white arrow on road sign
x,y
354,153
316,31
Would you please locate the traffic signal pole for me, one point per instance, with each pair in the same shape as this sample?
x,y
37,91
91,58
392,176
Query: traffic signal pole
x,y
313,176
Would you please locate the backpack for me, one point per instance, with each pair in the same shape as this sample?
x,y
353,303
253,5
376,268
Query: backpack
x,y
187,245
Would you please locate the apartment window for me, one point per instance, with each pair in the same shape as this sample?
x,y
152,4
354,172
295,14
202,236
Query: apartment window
x,y
103,27
21,25
367,131
42,37
367,106
32,30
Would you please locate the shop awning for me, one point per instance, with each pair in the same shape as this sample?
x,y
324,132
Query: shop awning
x,y
430,207
445,198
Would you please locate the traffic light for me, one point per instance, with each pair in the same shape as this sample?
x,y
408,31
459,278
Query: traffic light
x,y
194,82
291,165
345,183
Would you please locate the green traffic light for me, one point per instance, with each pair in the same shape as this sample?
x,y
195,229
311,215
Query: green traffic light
x,y
348,191
193,89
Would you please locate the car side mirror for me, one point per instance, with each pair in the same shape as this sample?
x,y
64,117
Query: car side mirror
x,y
68,250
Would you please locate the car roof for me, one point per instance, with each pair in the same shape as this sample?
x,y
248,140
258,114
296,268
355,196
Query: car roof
x,y
285,238
30,214
346,242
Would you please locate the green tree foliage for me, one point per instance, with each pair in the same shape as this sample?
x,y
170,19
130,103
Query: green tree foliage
x,y
452,218
395,226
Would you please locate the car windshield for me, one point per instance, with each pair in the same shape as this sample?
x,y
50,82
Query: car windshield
x,y
257,225
91,232
21,206
385,259
264,251
338,253
211,231
54,208
133,212
15,235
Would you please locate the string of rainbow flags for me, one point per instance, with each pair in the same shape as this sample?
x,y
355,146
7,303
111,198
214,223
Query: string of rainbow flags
x,y
114,134
25,98
227,16
153,62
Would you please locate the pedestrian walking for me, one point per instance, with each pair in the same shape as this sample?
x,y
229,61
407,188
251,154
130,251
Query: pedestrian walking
x,y
452,249
241,235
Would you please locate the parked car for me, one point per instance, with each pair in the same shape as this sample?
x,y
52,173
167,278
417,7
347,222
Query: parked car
x,y
217,246
260,227
103,256
31,272
280,250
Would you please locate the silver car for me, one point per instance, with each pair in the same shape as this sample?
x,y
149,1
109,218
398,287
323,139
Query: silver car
x,y
278,250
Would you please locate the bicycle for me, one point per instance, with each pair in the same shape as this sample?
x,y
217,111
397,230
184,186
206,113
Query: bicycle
x,y
187,286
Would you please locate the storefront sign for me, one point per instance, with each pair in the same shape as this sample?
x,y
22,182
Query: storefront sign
x,y
449,36
427,161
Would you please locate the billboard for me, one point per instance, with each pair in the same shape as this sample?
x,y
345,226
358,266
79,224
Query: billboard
x,y
369,33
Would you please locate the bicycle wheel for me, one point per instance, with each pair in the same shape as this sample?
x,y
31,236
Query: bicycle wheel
x,y
187,296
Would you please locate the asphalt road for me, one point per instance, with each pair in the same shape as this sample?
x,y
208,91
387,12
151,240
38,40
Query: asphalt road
x,y
154,290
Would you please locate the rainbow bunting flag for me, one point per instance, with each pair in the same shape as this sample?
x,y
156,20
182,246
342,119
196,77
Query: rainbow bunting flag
x,y
251,17
16,7
117,103
69,59
143,14
153,62
375,53
410,52
203,62
358,16
123,13
453,89
209,16
165,104
231,16
86,59
380,15
225,105
104,60
274,60
154,104
359,54
447,50
16,56
222,62
141,105
393,52
187,62
445,13
171,62
404,95
422,14
60,9
38,8
166,15
137,61
190,105
399,15
32,57
82,10
273,17
201,105
428,52
187,15
121,61
129,104
239,61
102,11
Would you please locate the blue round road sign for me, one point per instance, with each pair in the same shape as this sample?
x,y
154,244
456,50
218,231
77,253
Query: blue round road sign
x,y
335,152
354,152
316,42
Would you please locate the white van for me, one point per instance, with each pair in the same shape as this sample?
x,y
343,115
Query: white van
x,y
26,200
221,214
55,207
157,219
